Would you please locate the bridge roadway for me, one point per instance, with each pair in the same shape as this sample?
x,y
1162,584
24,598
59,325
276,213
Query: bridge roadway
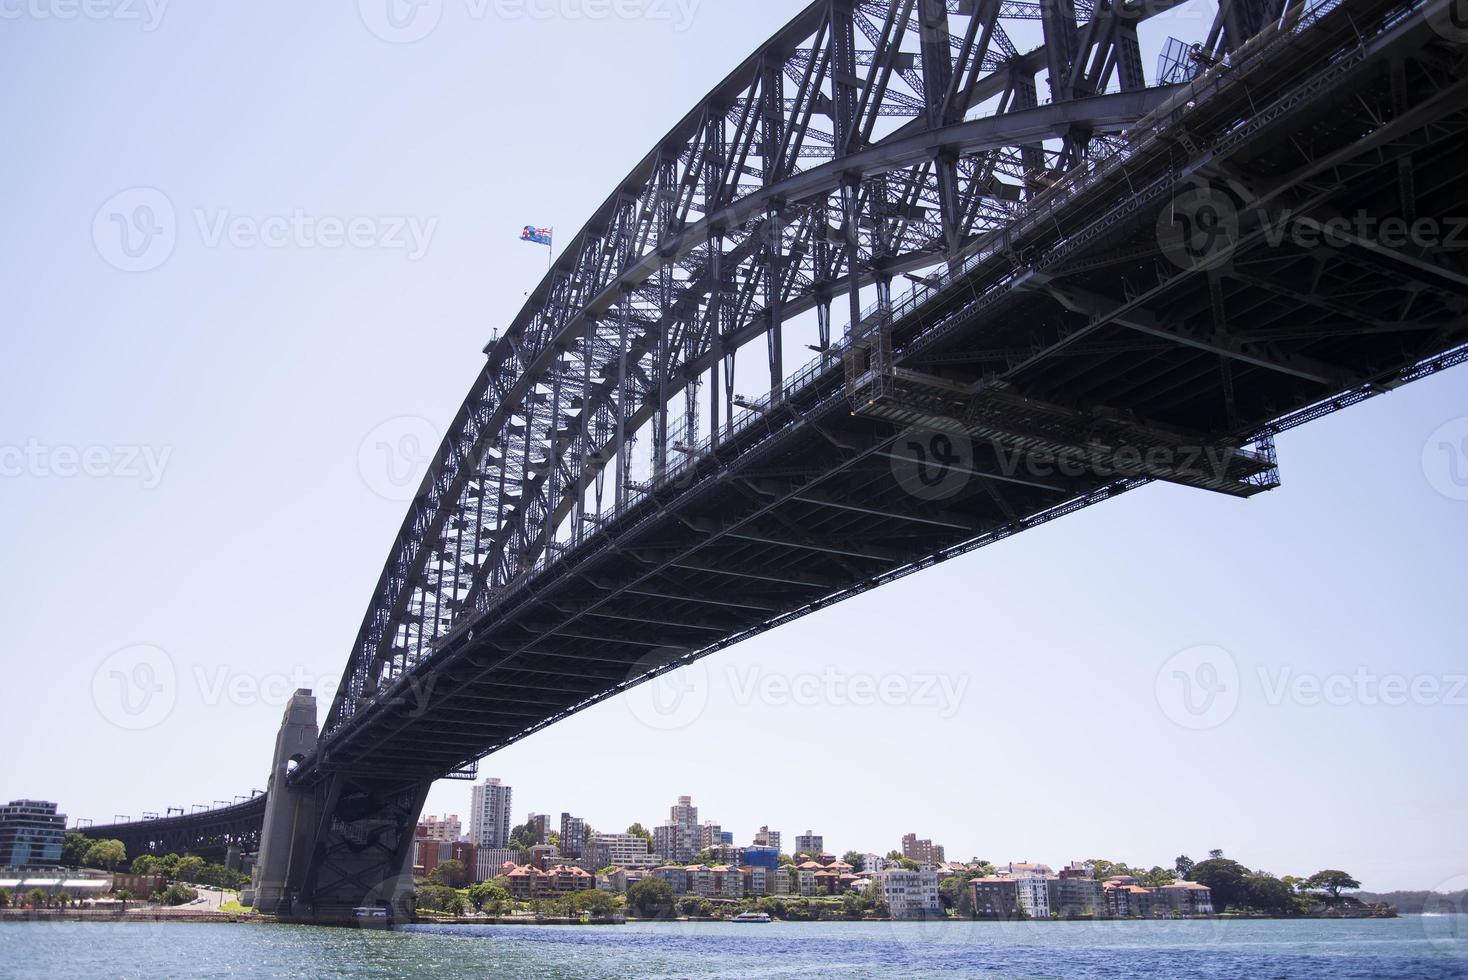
x,y
1157,311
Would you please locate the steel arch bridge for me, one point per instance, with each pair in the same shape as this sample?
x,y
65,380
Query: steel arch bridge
x,y
1130,275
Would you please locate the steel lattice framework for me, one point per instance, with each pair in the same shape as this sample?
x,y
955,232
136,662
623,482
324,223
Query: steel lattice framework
x,y
863,140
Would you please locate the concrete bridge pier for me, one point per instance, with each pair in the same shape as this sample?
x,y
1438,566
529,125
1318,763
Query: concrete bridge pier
x,y
290,814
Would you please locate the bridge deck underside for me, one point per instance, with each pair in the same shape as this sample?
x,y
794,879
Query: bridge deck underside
x,y
1087,313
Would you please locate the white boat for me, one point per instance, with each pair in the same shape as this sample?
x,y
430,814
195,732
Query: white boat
x,y
751,917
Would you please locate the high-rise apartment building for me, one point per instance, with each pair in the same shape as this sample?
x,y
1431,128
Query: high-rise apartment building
x,y
489,820
768,838
809,843
922,851
31,832
680,839
573,835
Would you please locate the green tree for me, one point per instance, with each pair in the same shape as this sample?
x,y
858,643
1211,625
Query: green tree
x,y
1183,865
1101,869
4,898
650,898
62,899
856,860
35,898
145,864
955,894
122,895
596,902
1225,879
1332,882
188,868
74,848
639,830
1158,877
177,894
1266,893
450,872
490,895
105,854
523,837
692,905
437,898
1215,854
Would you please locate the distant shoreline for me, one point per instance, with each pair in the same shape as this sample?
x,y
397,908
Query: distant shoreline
x,y
164,915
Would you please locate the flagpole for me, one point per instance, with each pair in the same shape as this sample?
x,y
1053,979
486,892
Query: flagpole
x,y
550,248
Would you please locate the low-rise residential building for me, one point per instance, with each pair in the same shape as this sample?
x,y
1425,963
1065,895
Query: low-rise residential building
x,y
527,881
909,894
873,862
995,897
728,881
700,880
624,851
757,879
1187,898
675,875
1126,899
1073,897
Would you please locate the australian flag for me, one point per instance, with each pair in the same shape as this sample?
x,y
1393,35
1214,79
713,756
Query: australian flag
x,y
540,236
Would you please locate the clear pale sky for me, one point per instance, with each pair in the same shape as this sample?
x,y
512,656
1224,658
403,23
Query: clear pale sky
x,y
236,514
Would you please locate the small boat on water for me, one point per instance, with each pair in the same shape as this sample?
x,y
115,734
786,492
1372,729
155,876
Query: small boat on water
x,y
751,917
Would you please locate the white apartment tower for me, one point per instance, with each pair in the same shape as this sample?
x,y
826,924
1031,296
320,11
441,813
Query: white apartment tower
x,y
489,817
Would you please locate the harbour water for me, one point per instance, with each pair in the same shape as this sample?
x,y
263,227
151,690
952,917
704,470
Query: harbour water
x,y
1412,946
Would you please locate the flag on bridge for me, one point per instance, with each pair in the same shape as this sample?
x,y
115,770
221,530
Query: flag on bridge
x,y
540,236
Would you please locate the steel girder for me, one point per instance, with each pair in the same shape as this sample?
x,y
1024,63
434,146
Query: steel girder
x,y
784,189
